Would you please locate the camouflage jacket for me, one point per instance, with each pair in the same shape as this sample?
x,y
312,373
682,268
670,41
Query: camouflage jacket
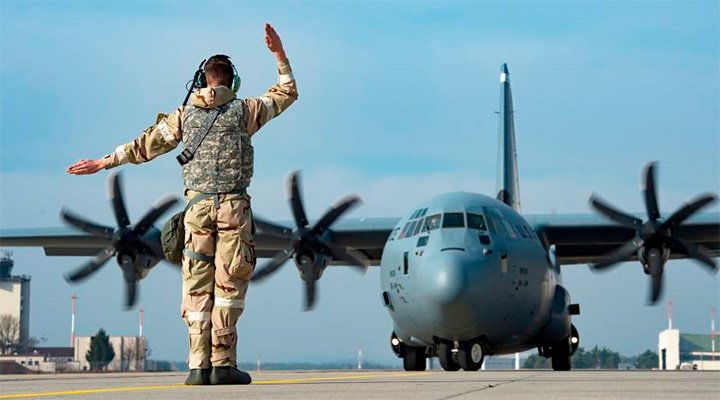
x,y
170,129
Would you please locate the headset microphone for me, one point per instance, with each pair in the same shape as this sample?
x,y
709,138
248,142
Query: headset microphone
x,y
195,78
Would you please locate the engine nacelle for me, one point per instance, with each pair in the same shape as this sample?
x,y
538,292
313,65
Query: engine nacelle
x,y
644,252
318,262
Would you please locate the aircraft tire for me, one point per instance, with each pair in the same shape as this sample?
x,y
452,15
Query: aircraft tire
x,y
560,355
471,355
414,358
446,357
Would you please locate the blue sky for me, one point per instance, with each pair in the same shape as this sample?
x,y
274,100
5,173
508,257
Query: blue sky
x,y
396,104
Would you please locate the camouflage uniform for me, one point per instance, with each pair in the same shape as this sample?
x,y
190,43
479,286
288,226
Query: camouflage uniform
x,y
219,255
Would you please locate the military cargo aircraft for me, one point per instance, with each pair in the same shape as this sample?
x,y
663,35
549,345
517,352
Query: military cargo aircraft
x,y
462,276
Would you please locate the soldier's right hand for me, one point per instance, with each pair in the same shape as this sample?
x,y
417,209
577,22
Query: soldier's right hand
x,y
86,167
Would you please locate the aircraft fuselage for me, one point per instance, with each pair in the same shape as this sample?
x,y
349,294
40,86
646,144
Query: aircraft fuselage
x,y
465,266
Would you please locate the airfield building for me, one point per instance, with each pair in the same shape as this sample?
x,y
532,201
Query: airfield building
x,y
129,353
15,303
687,351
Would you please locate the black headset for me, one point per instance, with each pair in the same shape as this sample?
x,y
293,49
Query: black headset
x,y
199,80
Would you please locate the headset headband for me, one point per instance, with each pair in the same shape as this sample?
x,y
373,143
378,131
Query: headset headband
x,y
200,81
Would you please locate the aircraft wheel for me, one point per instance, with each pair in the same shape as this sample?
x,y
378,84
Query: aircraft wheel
x,y
471,355
445,353
414,358
560,354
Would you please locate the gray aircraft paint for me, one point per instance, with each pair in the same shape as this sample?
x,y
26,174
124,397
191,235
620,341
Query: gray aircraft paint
x,y
456,288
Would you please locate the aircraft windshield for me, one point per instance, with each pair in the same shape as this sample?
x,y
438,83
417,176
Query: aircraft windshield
x,y
432,222
454,220
476,221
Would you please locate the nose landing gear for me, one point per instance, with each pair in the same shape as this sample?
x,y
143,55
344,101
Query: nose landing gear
x,y
448,356
471,355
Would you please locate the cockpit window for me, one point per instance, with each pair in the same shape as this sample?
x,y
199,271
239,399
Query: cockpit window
x,y
454,220
498,222
418,227
476,221
432,222
411,230
405,230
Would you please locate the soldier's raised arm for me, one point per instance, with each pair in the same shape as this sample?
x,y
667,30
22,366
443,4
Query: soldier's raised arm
x,y
157,139
260,110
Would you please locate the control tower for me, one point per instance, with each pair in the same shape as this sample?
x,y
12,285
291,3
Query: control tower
x,y
15,299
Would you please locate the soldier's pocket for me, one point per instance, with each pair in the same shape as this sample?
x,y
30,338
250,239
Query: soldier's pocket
x,y
244,264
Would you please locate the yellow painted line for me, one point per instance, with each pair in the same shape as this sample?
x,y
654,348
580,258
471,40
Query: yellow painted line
x,y
268,382
23,395
333,378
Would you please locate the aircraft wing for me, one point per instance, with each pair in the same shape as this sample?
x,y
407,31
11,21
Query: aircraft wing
x,y
586,238
367,235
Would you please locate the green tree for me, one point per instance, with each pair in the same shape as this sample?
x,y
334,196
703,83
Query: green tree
x,y
536,361
101,351
647,360
595,359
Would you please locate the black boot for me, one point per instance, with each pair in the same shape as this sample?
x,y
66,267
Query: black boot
x,y
229,376
199,376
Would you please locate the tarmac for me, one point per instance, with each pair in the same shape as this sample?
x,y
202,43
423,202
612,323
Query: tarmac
x,y
367,384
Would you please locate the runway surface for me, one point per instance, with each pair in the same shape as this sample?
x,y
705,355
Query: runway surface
x,y
438,385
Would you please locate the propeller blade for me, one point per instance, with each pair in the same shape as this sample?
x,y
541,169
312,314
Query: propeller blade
x,y
91,266
620,254
116,199
277,261
353,257
310,289
689,209
649,191
130,293
699,253
655,265
272,229
613,213
293,193
335,211
655,288
85,225
156,211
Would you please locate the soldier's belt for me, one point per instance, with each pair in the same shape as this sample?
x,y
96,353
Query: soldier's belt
x,y
189,152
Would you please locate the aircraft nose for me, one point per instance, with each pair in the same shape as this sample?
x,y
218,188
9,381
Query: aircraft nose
x,y
445,277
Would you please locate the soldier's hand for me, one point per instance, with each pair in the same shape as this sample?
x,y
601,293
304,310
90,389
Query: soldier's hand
x,y
272,40
86,167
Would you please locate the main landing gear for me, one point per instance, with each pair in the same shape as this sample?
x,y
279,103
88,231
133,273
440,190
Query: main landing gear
x,y
414,358
561,353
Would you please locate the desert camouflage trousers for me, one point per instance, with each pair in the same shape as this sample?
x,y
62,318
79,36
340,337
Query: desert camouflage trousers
x,y
218,261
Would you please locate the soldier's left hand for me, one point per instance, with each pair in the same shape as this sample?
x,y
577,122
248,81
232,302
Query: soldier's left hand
x,y
273,42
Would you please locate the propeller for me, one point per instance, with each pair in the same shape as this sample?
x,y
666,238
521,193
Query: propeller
x,y
136,248
655,237
310,247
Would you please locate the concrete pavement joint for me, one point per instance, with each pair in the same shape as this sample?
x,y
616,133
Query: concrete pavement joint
x,y
489,386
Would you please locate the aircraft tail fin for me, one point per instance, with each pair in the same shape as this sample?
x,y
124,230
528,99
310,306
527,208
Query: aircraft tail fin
x,y
508,187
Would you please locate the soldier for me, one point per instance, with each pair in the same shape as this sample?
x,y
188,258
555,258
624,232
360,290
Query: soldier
x,y
219,255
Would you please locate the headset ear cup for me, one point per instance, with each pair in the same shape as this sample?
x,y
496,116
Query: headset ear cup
x,y
236,83
201,81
